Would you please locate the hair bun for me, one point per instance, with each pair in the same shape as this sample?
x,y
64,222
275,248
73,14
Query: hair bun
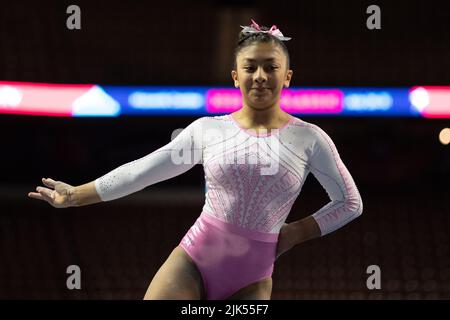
x,y
245,35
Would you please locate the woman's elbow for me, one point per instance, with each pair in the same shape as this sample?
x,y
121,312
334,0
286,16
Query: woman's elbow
x,y
355,206
359,210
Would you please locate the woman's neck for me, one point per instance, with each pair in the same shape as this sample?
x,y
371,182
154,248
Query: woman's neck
x,y
270,118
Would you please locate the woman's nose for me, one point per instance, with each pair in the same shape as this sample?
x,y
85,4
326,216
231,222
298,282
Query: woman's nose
x,y
260,75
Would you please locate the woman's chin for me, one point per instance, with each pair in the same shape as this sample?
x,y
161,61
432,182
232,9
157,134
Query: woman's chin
x,y
260,98
261,104
260,101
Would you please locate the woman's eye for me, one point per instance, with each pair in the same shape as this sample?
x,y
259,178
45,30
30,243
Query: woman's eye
x,y
252,68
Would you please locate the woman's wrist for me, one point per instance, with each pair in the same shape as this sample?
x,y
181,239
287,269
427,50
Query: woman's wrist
x,y
304,229
73,197
83,195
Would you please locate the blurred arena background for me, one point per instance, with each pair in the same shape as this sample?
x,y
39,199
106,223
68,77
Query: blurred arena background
x,y
400,166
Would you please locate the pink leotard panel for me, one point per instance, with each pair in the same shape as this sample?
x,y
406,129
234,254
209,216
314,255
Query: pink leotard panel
x,y
228,257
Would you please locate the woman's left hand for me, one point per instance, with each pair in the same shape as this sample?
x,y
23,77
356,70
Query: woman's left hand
x,y
286,240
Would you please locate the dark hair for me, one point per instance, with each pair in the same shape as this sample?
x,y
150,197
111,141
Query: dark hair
x,y
245,40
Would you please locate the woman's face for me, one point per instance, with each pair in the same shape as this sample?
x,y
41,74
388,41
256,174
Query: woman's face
x,y
261,74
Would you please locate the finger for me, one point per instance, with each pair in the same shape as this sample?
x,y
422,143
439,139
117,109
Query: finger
x,y
49,182
39,196
35,195
45,192
46,198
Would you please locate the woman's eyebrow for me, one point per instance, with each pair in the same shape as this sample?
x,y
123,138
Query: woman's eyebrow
x,y
253,60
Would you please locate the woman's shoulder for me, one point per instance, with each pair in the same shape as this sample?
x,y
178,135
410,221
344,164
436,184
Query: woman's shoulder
x,y
305,126
216,117
215,121
311,131
209,122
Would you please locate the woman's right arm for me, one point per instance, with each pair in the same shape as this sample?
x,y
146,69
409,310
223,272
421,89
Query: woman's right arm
x,y
164,163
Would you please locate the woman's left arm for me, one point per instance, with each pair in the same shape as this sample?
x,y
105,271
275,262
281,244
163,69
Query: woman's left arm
x,y
345,205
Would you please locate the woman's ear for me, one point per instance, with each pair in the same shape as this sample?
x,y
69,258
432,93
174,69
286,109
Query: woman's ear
x,y
288,78
235,78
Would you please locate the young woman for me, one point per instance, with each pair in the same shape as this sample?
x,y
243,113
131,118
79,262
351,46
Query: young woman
x,y
256,161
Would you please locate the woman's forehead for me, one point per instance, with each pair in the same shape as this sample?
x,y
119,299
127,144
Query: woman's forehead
x,y
261,52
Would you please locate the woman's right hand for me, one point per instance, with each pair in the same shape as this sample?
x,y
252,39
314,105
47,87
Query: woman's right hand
x,y
58,194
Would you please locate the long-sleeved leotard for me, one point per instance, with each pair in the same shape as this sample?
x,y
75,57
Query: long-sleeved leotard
x,y
252,182
252,178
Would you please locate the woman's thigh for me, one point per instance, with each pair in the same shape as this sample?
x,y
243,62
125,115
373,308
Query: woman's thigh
x,y
177,279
